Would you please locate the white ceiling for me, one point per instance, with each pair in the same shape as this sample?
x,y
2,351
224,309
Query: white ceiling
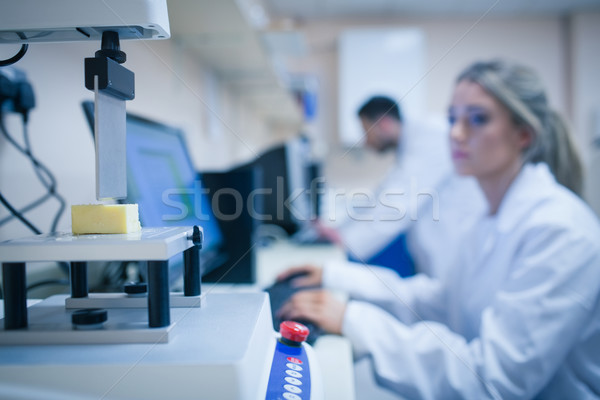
x,y
326,9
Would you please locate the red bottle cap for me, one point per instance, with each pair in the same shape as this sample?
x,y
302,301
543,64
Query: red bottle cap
x,y
293,331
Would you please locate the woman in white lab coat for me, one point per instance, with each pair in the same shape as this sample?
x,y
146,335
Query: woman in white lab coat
x,y
519,316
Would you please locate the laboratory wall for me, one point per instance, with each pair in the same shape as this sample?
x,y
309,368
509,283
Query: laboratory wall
x,y
585,83
172,86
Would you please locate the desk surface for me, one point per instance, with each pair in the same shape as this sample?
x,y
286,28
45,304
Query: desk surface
x,y
282,254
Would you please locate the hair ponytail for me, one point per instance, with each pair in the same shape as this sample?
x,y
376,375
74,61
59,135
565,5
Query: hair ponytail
x,y
521,91
561,153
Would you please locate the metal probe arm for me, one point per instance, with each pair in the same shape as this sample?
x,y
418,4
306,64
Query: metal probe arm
x,y
112,84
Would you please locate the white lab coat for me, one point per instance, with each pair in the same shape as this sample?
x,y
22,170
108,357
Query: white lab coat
x,y
435,237
518,317
421,197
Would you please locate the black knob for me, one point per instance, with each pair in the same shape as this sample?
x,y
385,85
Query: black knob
x,y
135,288
197,237
91,318
110,47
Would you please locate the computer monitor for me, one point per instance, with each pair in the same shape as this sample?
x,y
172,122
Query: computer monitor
x,y
161,179
316,183
251,198
232,194
285,184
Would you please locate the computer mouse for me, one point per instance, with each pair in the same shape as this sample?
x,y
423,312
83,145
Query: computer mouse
x,y
279,294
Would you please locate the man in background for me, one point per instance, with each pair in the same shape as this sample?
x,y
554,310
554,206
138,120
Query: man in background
x,y
419,202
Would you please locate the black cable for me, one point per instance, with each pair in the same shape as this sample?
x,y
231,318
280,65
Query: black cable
x,y
39,168
3,200
27,208
18,215
49,181
37,202
16,57
50,185
51,188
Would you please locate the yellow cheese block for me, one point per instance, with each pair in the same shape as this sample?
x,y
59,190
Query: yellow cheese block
x,y
105,218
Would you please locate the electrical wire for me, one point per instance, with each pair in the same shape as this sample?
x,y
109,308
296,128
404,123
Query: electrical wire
x,y
14,212
51,187
27,208
19,215
16,57
27,153
35,203
49,181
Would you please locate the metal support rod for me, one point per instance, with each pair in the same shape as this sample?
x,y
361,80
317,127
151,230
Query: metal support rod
x,y
15,295
191,272
158,294
79,282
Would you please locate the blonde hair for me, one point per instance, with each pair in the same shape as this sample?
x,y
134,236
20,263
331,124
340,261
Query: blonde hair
x,y
520,89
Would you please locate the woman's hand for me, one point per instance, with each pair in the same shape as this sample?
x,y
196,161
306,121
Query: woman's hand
x,y
309,275
318,306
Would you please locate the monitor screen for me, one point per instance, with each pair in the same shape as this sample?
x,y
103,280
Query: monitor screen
x,y
284,175
233,195
162,180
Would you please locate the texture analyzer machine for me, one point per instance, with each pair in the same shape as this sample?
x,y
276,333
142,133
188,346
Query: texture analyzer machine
x,y
155,345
